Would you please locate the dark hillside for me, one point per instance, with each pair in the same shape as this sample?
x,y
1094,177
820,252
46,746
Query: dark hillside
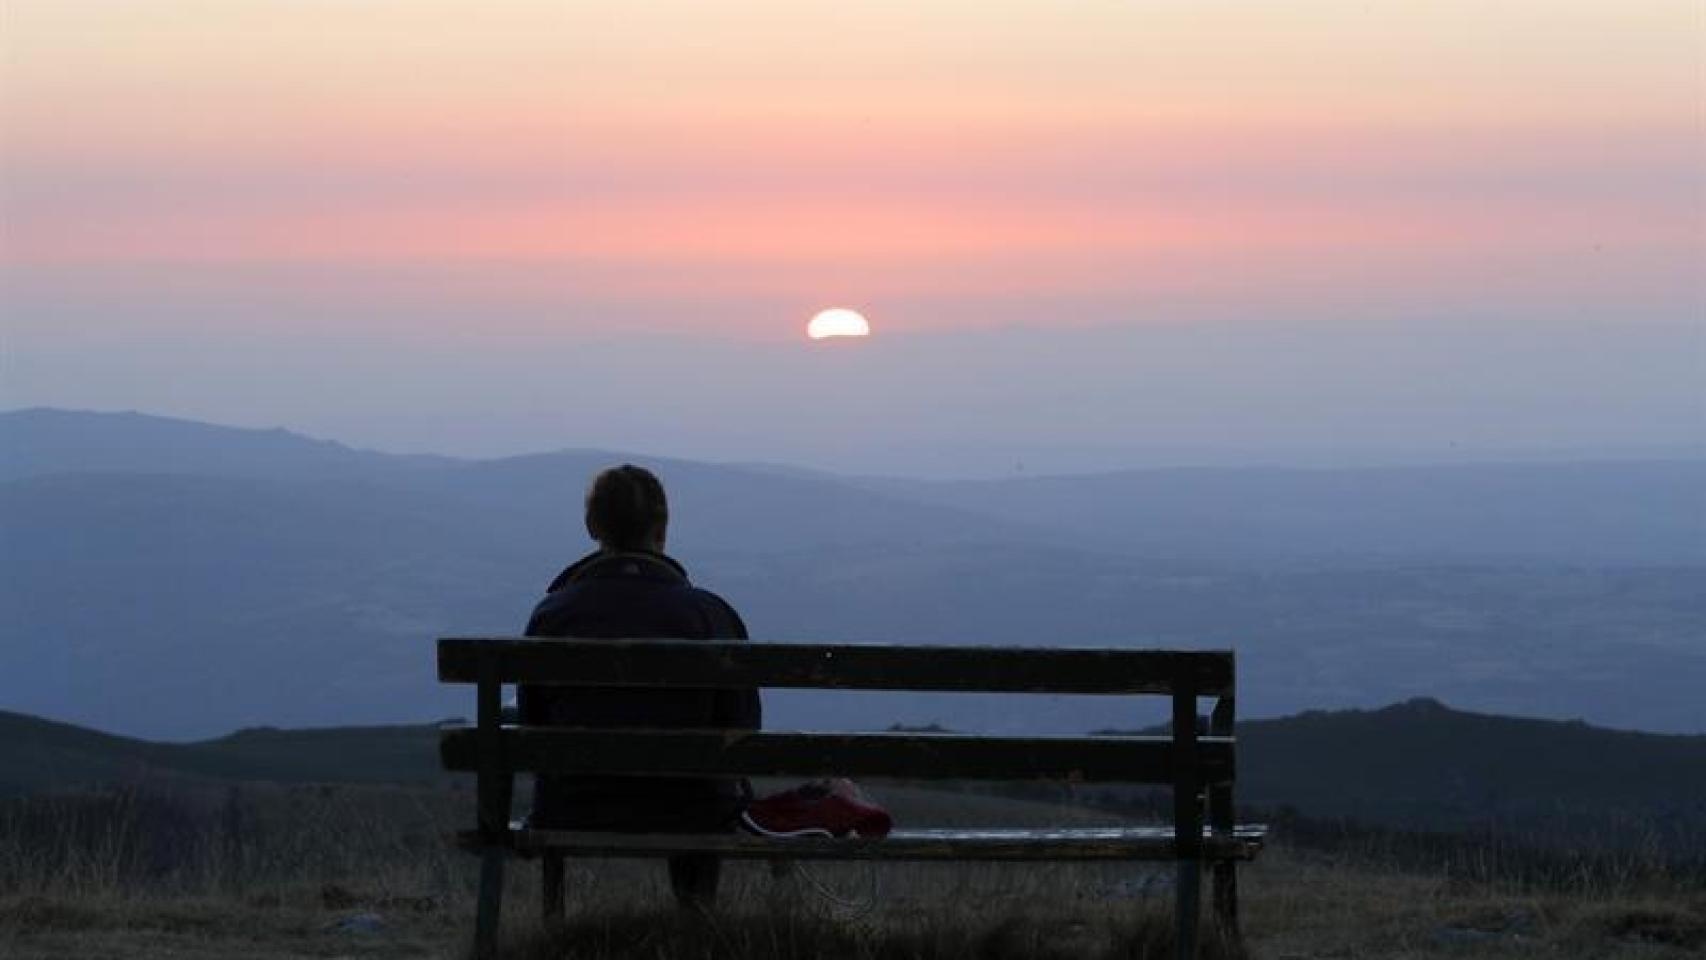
x,y
40,755
37,754
1421,764
1413,766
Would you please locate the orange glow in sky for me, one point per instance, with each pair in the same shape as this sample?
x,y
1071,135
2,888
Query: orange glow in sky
x,y
799,148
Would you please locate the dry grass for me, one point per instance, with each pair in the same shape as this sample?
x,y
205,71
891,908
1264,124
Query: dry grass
x,y
366,872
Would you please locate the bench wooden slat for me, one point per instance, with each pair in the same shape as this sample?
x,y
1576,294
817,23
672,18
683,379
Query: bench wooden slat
x,y
1076,843
906,756
643,663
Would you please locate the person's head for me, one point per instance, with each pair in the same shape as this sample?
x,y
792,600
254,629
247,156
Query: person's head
x,y
626,509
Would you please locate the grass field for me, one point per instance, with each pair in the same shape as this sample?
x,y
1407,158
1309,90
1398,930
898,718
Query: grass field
x,y
305,871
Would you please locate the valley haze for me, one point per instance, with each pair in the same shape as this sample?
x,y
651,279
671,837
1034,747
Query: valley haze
x,y
173,579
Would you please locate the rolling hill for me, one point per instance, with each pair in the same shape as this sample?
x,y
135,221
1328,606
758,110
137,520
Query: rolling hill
x,y
39,755
1415,765
1422,764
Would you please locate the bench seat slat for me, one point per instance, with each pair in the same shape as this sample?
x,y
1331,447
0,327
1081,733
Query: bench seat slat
x,y
1078,843
906,756
675,663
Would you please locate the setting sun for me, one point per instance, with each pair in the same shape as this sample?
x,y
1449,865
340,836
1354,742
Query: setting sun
x,y
839,322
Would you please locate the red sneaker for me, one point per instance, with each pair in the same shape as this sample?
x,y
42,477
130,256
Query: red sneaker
x,y
821,808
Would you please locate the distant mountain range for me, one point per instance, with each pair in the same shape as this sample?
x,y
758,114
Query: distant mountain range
x,y
174,579
1643,512
1415,765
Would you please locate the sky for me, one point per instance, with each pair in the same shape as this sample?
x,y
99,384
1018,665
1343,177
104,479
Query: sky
x,y
1087,235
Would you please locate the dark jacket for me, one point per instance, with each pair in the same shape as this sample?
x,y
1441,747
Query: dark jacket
x,y
638,595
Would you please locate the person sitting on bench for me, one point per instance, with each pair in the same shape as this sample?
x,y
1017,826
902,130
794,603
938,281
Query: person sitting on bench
x,y
628,588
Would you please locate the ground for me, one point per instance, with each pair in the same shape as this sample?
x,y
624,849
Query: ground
x,y
340,873
1296,906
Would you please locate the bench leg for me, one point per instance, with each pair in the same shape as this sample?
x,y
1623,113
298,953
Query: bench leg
x,y
551,888
1226,897
491,902
1187,894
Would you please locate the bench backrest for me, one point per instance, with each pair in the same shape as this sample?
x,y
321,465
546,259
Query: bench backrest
x,y
1186,759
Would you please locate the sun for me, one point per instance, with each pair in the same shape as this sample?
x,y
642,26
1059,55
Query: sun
x,y
838,322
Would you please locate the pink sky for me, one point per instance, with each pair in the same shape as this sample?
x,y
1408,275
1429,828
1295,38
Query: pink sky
x,y
846,150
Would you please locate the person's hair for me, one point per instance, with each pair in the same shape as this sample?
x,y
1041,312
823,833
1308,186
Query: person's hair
x,y
626,508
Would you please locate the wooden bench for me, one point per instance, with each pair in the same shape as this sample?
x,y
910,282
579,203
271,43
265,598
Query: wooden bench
x,y
1198,767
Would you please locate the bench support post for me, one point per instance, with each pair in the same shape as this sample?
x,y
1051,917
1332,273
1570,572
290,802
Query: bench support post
x,y
491,902
1187,880
496,786
551,887
1187,814
1220,818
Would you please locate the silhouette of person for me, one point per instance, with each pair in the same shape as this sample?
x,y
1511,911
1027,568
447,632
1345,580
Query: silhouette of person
x,y
628,587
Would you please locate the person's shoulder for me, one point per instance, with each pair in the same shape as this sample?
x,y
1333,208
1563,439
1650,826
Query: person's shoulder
x,y
551,611
722,613
712,598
